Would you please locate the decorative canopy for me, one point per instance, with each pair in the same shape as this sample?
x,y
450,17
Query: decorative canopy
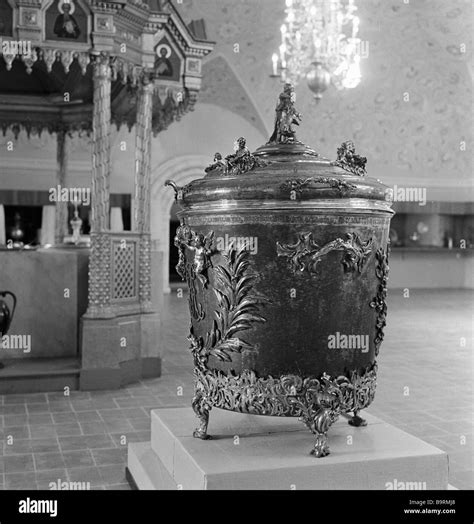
x,y
47,50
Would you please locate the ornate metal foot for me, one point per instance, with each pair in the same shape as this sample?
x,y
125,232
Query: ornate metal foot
x,y
202,408
357,421
319,422
321,448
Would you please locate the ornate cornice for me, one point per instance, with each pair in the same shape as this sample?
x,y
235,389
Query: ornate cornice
x,y
133,19
121,67
36,126
153,26
139,4
114,7
191,49
136,17
50,55
29,3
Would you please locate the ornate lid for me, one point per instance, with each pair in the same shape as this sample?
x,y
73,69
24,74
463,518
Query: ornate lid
x,y
284,169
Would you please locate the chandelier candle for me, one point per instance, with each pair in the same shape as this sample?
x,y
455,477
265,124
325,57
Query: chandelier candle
x,y
262,319
319,42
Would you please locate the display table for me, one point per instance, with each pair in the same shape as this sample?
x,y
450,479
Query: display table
x,y
251,452
431,267
51,288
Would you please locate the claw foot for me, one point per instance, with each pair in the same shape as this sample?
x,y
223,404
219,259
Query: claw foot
x,y
357,421
321,448
198,433
318,420
201,408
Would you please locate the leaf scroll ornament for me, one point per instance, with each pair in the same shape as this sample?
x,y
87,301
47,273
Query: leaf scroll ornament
x,y
238,309
305,255
379,302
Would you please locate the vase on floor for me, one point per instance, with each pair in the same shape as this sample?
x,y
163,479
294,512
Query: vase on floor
x,y
6,314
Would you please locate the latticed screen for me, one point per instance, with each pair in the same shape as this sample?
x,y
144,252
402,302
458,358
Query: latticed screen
x,y
124,270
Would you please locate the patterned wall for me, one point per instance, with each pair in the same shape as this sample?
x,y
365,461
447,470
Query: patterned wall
x,y
414,47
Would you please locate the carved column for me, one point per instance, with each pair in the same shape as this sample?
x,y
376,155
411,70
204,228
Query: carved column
x,y
143,185
100,205
101,249
61,180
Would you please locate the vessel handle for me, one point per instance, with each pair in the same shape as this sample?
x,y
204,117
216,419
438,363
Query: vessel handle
x,y
178,190
13,296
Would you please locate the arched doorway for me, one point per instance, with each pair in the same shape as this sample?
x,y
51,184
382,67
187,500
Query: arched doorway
x,y
174,278
188,149
181,170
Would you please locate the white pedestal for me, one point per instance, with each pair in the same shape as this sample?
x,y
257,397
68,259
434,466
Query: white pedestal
x,y
255,452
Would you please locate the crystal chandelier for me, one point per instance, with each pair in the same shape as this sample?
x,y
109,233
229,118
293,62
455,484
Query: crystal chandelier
x,y
319,42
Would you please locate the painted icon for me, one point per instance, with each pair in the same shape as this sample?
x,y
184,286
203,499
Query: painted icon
x,y
66,25
163,66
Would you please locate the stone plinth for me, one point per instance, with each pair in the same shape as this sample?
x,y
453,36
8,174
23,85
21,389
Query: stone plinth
x,y
254,452
120,350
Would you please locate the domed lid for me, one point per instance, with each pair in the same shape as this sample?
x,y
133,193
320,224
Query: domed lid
x,y
284,169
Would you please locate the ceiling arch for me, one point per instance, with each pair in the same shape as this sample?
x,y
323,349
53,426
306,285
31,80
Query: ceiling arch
x,y
222,86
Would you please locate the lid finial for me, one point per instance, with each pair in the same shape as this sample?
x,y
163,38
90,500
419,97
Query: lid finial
x,y
286,117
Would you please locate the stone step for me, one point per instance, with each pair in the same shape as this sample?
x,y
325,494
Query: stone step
x,y
148,470
255,452
32,375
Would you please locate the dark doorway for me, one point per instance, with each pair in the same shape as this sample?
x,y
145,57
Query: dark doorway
x,y
173,258
25,218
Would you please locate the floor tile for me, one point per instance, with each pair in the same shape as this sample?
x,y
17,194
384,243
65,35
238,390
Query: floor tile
x,y
44,445
88,474
51,479
40,419
42,431
114,474
78,459
47,461
71,429
20,481
93,428
88,416
14,420
19,463
64,418
99,441
106,457
17,432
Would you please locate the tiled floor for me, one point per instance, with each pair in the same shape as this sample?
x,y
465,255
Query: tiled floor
x,y
425,387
